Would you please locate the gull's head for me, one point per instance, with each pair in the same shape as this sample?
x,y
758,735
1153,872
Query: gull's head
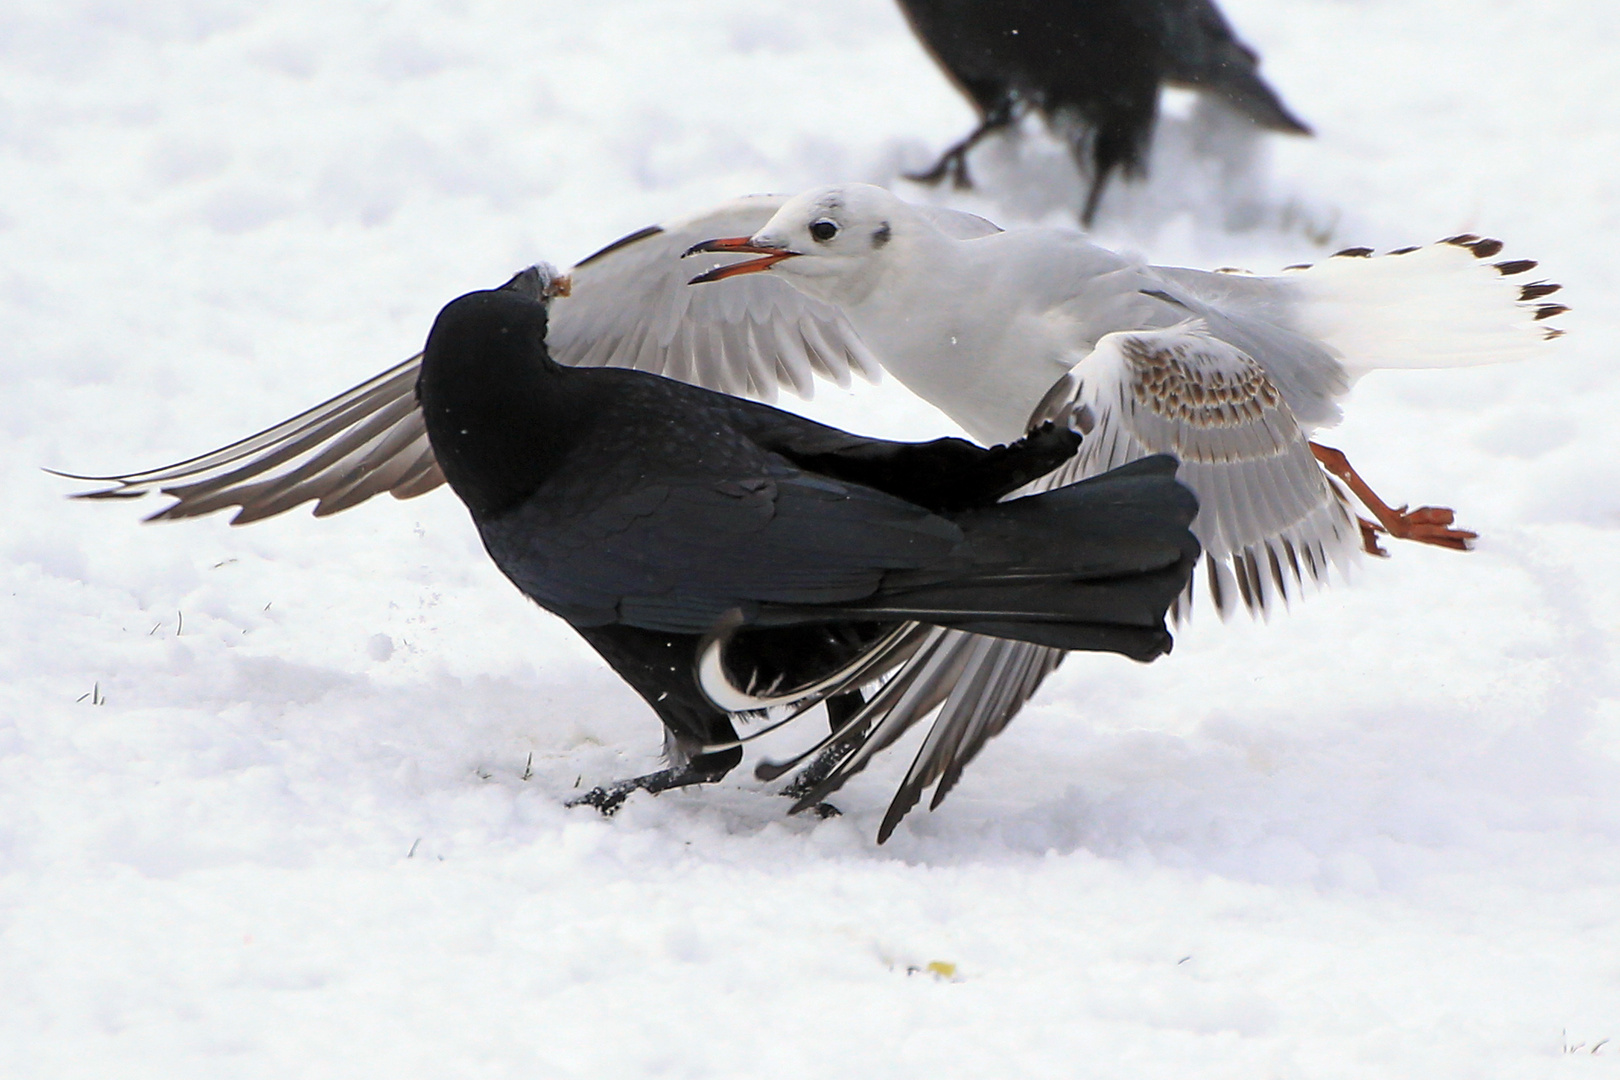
x,y
833,243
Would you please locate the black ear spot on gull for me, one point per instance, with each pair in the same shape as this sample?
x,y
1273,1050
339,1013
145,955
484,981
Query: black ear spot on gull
x,y
1353,253
881,234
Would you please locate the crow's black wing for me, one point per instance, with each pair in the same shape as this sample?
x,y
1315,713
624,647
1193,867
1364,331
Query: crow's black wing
x,y
942,475
670,545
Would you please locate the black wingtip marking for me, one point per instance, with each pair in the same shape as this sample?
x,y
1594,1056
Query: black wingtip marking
x,y
1515,266
1277,571
1547,311
1298,266
1353,253
1539,289
1551,333
1403,251
1160,294
623,241
1482,248
113,493
1215,593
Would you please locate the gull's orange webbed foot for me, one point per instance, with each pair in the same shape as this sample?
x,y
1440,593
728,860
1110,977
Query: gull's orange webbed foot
x,y
1430,525
1425,525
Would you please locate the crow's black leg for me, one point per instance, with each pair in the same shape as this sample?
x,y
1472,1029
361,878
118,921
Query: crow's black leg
x,y
839,711
703,769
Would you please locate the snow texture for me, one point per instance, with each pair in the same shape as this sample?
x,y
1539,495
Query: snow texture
x,y
286,800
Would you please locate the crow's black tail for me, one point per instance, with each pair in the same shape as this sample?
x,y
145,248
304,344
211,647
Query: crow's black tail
x,y
1092,566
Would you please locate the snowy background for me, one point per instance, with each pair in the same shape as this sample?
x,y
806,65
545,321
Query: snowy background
x,y
285,801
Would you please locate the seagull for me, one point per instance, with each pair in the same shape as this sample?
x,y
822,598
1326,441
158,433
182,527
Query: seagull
x,y
1093,69
1230,372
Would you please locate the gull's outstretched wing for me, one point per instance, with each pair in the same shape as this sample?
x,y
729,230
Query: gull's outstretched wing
x,y
1268,516
630,306
343,451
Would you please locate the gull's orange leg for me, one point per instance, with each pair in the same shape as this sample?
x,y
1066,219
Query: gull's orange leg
x,y
1426,524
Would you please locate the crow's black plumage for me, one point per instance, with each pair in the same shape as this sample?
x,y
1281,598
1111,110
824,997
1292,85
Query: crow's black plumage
x,y
1094,66
647,512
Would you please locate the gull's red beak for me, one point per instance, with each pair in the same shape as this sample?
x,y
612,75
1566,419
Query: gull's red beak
x,y
737,245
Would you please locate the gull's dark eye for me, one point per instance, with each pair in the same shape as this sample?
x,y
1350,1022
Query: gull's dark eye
x,y
823,230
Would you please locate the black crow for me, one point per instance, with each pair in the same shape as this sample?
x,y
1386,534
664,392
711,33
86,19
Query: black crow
x,y
1091,67
667,523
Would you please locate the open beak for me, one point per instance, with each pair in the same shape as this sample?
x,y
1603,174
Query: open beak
x,y
737,245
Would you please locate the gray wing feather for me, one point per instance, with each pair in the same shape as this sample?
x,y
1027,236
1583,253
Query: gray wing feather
x,y
705,336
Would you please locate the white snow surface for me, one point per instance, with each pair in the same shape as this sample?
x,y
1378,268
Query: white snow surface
x,y
286,800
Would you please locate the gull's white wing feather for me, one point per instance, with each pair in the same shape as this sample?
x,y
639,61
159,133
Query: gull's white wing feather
x,y
630,306
1268,515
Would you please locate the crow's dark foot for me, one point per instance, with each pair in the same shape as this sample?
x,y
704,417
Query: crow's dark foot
x,y
818,770
704,769
811,776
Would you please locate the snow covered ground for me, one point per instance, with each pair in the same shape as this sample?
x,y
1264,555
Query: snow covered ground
x,y
285,801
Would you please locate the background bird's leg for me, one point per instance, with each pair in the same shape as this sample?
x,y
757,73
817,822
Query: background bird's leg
x,y
703,769
1426,524
839,711
954,160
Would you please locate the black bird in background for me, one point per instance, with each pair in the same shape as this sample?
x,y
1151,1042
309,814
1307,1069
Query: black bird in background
x,y
1092,69
647,513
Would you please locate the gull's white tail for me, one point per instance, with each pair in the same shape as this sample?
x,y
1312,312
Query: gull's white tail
x,y
1456,303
